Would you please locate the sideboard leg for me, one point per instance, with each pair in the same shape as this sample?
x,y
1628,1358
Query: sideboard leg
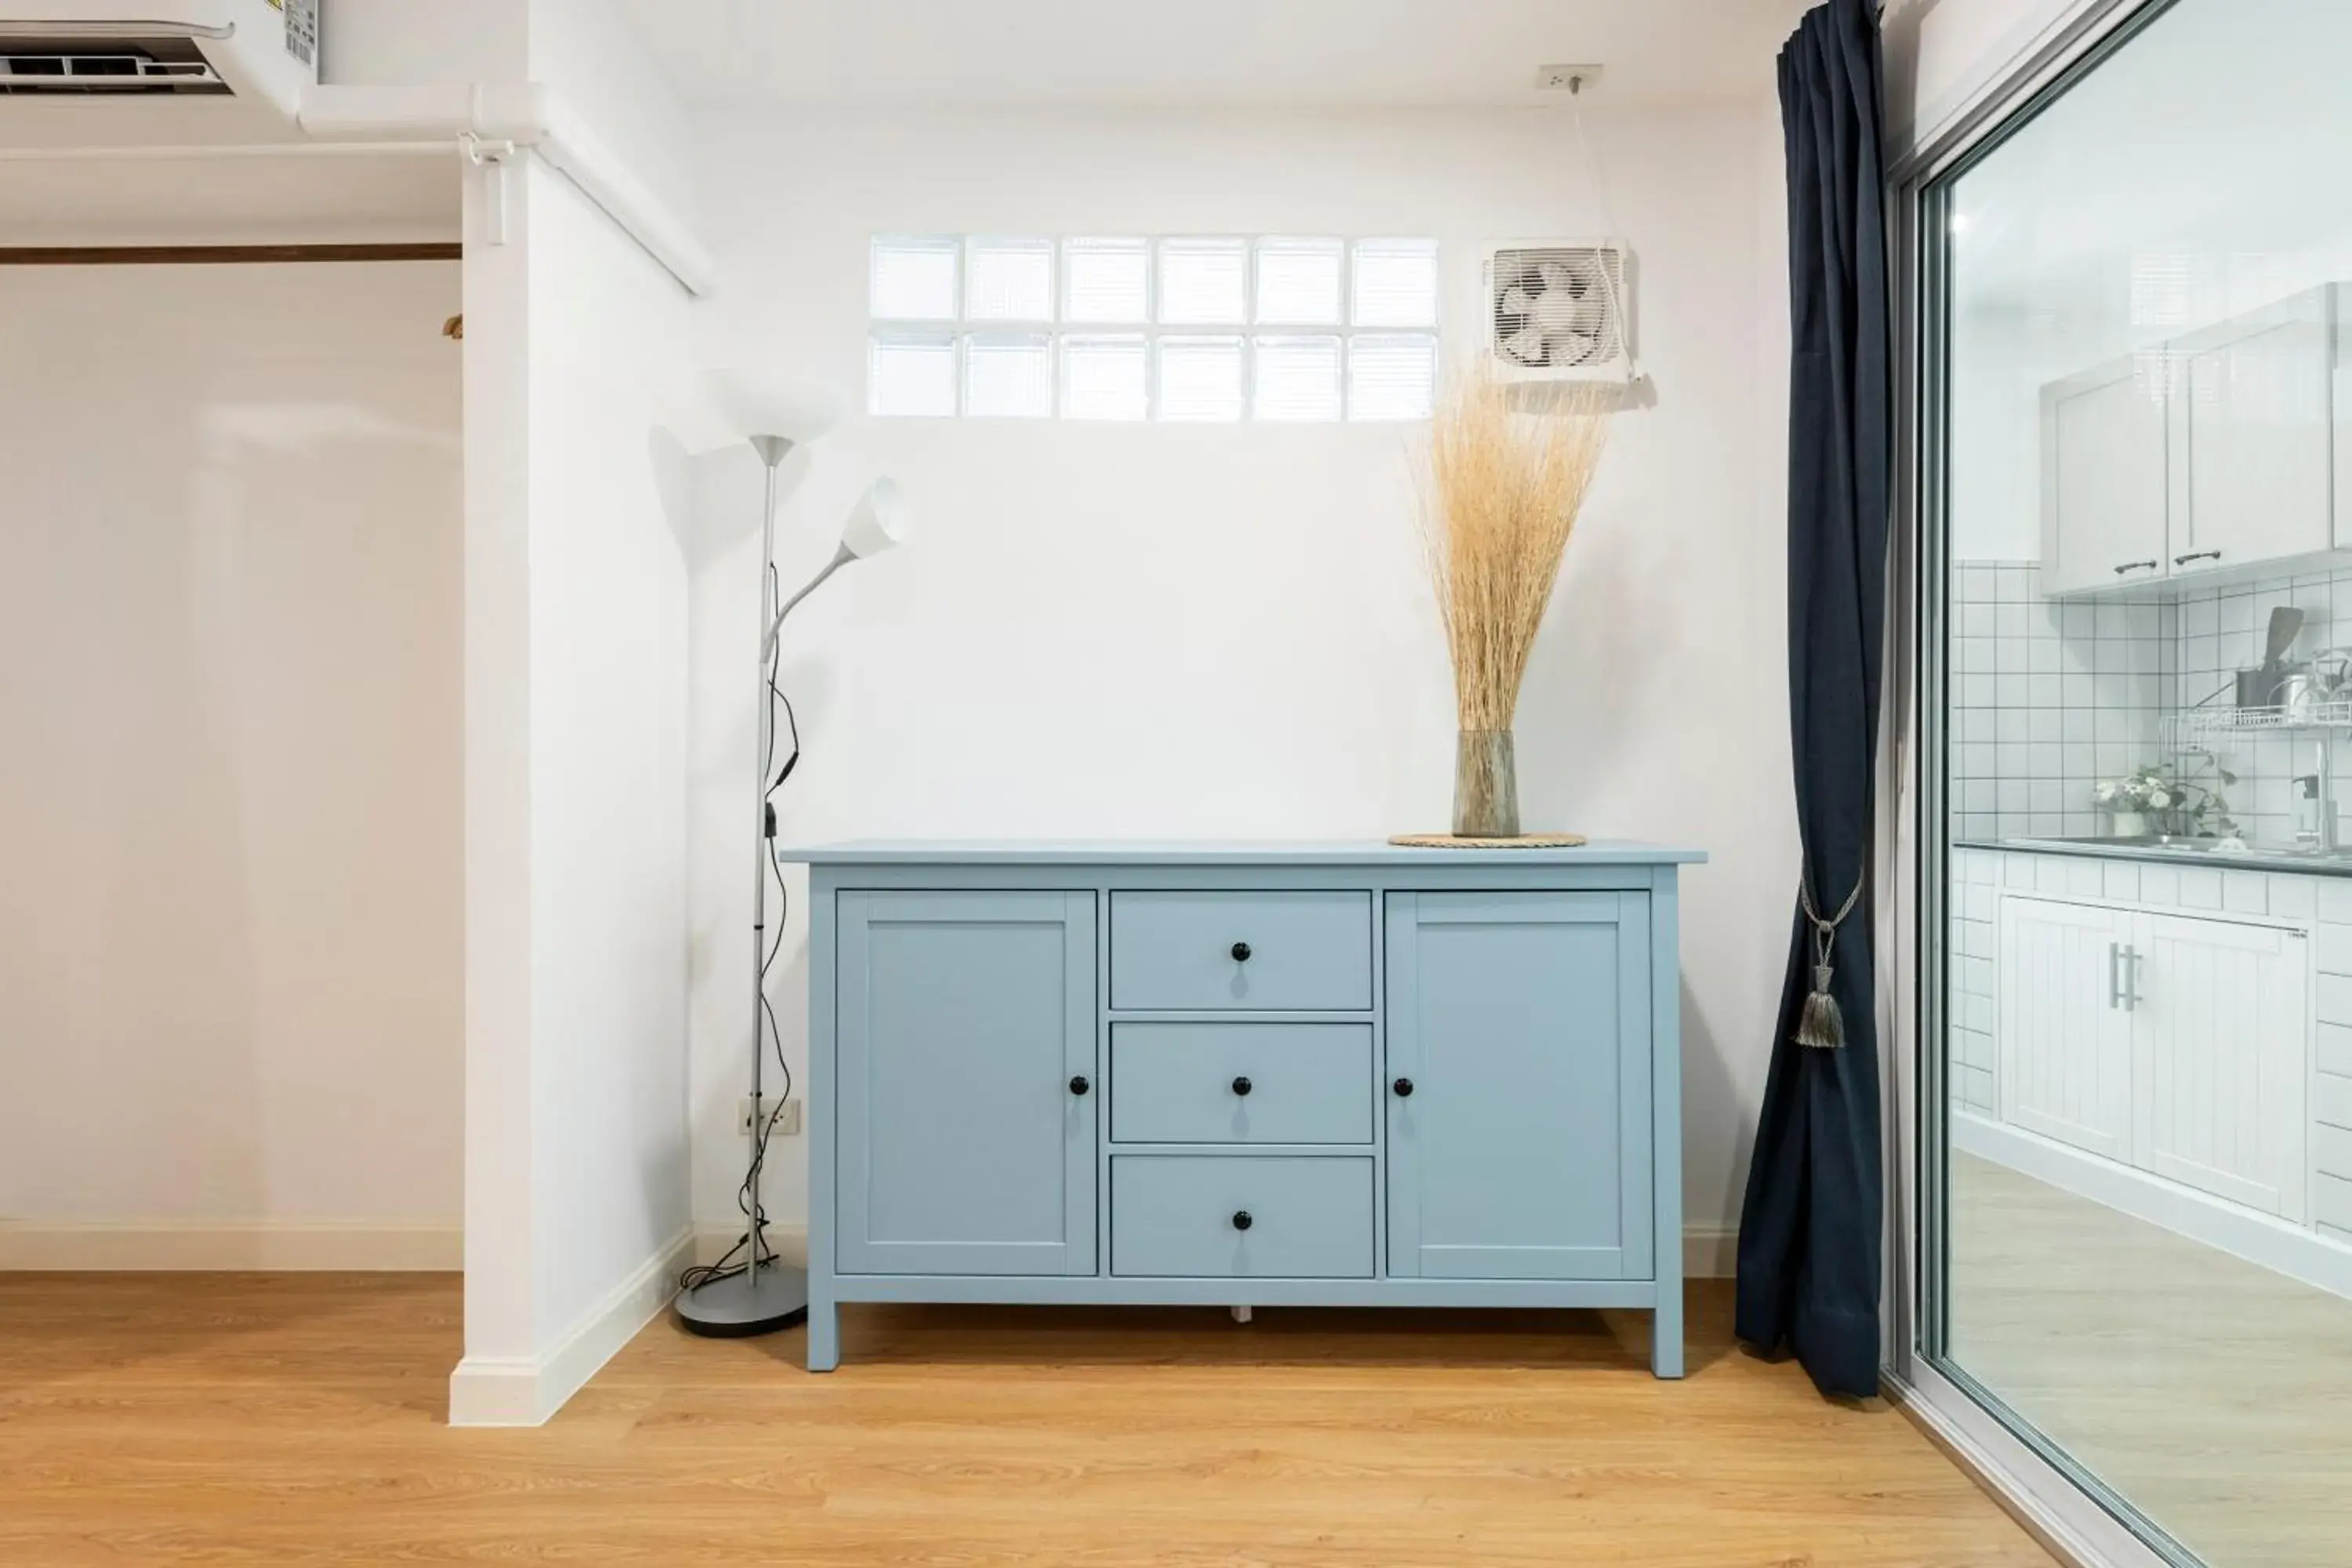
x,y
823,1334
1241,1314
1666,1333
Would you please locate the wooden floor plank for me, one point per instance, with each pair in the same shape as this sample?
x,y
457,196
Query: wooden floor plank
x,y
248,1418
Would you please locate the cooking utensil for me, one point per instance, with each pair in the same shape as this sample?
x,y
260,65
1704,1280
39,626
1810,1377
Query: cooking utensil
x,y
2286,625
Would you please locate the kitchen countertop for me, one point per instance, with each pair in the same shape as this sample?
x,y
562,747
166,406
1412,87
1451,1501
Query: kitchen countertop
x,y
2254,859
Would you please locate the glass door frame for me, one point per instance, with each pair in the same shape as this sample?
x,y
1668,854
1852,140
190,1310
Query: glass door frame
x,y
2073,1512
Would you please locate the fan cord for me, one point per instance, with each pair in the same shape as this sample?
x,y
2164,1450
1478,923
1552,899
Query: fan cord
x,y
1609,226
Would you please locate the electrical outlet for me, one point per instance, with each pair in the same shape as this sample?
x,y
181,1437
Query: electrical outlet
x,y
1566,78
747,1111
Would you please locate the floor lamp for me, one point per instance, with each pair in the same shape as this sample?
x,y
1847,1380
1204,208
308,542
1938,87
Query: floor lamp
x,y
749,1291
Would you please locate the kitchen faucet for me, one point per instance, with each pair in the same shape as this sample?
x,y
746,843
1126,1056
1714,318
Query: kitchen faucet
x,y
2319,787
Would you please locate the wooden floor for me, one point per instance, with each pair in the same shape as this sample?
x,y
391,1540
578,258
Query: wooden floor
x,y
241,1418
2215,1395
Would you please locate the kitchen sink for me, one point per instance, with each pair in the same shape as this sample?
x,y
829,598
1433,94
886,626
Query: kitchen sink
x,y
2188,847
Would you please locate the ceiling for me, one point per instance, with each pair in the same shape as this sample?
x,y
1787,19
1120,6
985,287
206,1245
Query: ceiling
x,y
1219,53
2204,148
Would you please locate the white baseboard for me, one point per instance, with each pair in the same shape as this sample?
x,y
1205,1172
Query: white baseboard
x,y
1709,1251
524,1391
230,1246
2281,1246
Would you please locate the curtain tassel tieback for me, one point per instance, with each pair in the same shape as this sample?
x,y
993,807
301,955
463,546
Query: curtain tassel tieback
x,y
1819,1025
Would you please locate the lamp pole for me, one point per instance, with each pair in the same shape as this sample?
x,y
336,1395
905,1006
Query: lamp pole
x,y
761,1298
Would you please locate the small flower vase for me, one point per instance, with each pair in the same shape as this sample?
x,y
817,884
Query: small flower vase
x,y
1486,785
2127,825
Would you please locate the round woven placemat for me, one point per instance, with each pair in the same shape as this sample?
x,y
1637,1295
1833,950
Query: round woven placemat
x,y
1525,841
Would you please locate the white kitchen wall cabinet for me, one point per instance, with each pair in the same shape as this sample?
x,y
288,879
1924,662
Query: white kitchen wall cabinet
x,y
2213,451
2104,490
2066,1037
2219,1012
2253,420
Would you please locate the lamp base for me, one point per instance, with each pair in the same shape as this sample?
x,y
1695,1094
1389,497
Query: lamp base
x,y
756,1301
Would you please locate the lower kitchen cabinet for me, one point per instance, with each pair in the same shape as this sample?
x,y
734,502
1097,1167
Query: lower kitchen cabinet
x,y
1338,1076
2171,1043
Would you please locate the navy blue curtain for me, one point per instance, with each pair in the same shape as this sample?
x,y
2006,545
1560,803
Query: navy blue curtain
x,y
1809,1232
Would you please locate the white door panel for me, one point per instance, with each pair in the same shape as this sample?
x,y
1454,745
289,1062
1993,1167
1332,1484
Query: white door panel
x,y
2218,1072
2065,1056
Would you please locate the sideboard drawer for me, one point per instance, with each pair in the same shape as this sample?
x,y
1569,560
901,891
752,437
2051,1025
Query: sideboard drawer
x,y
1281,951
1242,1217
1241,1083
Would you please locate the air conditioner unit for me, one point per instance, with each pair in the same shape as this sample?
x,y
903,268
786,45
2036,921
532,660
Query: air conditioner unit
x,y
267,50
1559,310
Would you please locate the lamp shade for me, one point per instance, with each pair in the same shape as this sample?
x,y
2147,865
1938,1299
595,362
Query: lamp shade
x,y
878,521
759,405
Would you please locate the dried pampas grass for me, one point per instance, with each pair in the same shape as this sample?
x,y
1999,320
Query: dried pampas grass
x,y
1509,466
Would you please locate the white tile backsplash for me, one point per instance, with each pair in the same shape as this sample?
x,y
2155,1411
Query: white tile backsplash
x,y
2049,698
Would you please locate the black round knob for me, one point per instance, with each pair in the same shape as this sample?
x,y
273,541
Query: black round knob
x,y
1078,1084
1241,1086
1240,953
1241,1220
1403,1088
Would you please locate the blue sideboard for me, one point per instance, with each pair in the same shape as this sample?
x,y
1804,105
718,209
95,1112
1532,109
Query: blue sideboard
x,y
1278,1075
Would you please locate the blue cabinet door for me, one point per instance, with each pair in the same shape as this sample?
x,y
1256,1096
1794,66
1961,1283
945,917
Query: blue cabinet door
x,y
1522,1023
966,1139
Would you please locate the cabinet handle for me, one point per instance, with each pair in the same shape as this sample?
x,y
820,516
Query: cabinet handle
x,y
1078,1084
2115,975
1403,1088
2131,978
1241,1086
2197,555
2137,566
1240,953
1241,1220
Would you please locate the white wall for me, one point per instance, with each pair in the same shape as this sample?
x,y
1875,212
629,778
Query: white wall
x,y
230,946
1197,632
575,790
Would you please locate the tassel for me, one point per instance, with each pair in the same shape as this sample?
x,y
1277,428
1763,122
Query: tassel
x,y
1819,1025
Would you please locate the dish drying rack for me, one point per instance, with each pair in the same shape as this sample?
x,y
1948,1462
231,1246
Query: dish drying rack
x,y
2195,728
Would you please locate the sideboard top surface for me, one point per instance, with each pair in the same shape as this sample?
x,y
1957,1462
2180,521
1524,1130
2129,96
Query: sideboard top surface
x,y
1218,852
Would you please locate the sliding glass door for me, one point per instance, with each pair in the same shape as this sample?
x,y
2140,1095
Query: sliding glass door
x,y
2136,451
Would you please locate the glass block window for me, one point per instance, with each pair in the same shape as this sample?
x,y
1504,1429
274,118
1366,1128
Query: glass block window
x,y
1296,378
1203,282
1298,282
1183,328
1395,283
1104,375
1392,375
913,279
1200,378
1009,280
1107,281
1009,376
911,373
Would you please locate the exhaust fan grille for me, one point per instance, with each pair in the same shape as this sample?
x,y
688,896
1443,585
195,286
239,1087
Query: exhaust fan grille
x,y
1558,309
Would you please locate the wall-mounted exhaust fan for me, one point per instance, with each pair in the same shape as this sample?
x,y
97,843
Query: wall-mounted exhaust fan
x,y
262,50
1558,311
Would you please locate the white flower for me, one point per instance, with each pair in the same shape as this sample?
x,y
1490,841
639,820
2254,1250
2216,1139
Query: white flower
x,y
2159,799
2103,793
